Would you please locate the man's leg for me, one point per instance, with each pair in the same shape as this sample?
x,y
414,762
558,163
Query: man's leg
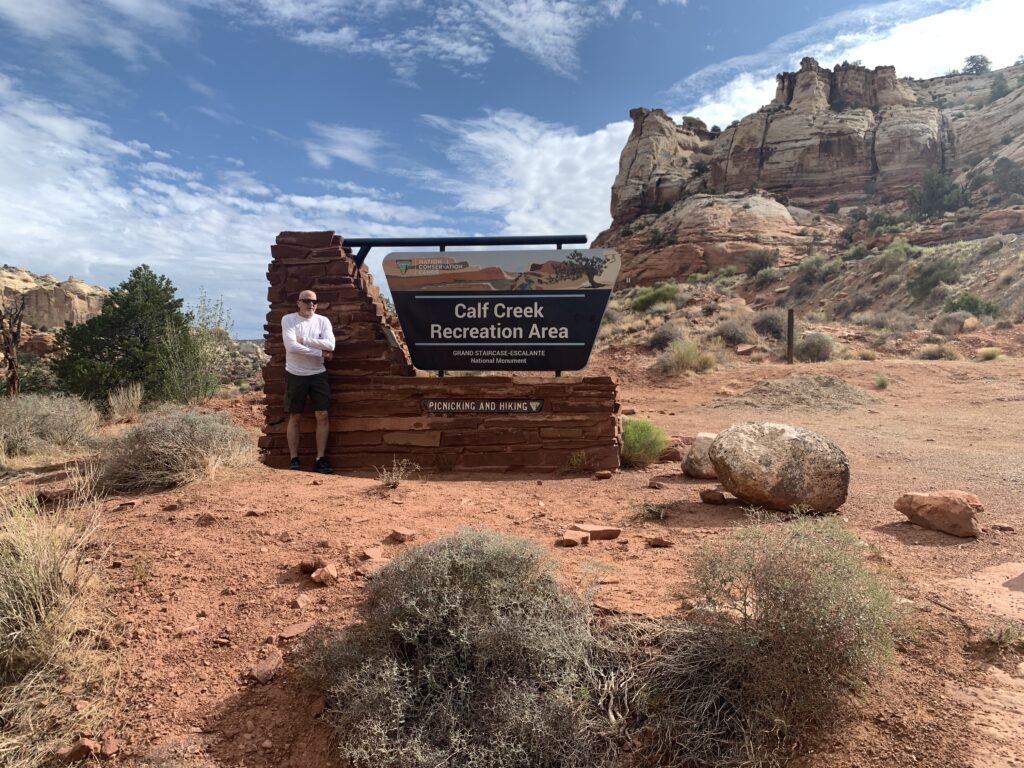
x,y
323,429
293,434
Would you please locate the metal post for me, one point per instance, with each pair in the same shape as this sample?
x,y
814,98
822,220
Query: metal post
x,y
790,334
440,374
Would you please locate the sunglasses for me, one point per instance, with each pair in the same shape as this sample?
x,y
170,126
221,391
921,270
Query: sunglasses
x,y
308,301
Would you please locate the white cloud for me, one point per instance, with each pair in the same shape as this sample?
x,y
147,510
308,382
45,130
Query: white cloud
x,y
74,199
117,25
356,145
538,177
922,38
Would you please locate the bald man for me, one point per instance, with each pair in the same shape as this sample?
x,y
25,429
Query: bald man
x,y
308,342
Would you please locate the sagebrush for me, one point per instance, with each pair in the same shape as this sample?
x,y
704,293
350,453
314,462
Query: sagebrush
x,y
469,654
683,357
32,424
173,448
789,621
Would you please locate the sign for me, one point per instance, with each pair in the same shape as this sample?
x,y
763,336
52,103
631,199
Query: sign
x,y
483,406
501,310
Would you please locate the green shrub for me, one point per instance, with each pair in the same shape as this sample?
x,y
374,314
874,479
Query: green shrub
x,y
881,381
682,357
989,353
648,296
999,87
764,278
1008,176
929,273
892,320
814,270
866,354
762,260
642,443
814,348
35,423
771,323
973,304
831,207
122,344
195,358
791,622
700,167
938,352
936,195
950,323
896,254
734,331
52,635
857,252
469,654
173,448
666,334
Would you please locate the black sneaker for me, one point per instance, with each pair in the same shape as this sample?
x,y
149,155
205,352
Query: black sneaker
x,y
323,466
294,463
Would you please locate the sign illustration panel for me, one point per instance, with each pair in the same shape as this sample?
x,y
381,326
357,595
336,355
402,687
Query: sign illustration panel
x,y
501,310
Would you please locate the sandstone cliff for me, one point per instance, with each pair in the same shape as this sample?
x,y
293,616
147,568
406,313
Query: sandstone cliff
x,y
49,303
849,136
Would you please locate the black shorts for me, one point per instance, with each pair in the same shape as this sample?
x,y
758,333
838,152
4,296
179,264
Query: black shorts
x,y
298,388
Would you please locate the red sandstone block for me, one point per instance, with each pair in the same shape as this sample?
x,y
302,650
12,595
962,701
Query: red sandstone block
x,y
478,437
308,239
426,439
279,252
561,432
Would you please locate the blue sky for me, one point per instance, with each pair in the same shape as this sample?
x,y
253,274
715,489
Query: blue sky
x,y
187,134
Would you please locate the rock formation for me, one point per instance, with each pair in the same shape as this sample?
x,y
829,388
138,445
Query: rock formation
x,y
49,303
849,136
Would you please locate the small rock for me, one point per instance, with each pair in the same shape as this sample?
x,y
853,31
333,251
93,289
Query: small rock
x,y
265,669
267,744
573,539
713,495
672,453
953,512
205,520
285,537
328,575
318,481
598,532
81,750
302,601
222,641
1003,528
603,474
698,463
629,411
402,535
172,507
81,705
110,745
373,553
294,630
311,564
657,485
659,542
252,513
124,506
745,349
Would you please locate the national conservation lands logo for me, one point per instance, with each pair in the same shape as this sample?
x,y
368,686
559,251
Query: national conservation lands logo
x,y
525,310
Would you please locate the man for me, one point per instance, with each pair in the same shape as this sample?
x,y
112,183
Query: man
x,y
308,342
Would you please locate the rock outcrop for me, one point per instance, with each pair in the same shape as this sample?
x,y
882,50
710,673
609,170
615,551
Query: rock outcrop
x,y
704,233
780,467
697,462
49,303
847,136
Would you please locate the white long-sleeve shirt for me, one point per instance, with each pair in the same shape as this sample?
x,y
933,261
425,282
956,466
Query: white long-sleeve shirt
x,y
307,358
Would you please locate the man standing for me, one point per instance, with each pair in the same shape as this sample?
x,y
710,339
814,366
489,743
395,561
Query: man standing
x,y
308,342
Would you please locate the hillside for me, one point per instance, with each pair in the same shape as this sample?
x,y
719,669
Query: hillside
x,y
50,302
838,157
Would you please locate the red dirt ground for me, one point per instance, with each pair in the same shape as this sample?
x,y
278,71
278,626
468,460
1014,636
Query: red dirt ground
x,y
199,604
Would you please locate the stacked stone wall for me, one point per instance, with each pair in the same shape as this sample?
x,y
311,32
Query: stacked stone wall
x,y
378,411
